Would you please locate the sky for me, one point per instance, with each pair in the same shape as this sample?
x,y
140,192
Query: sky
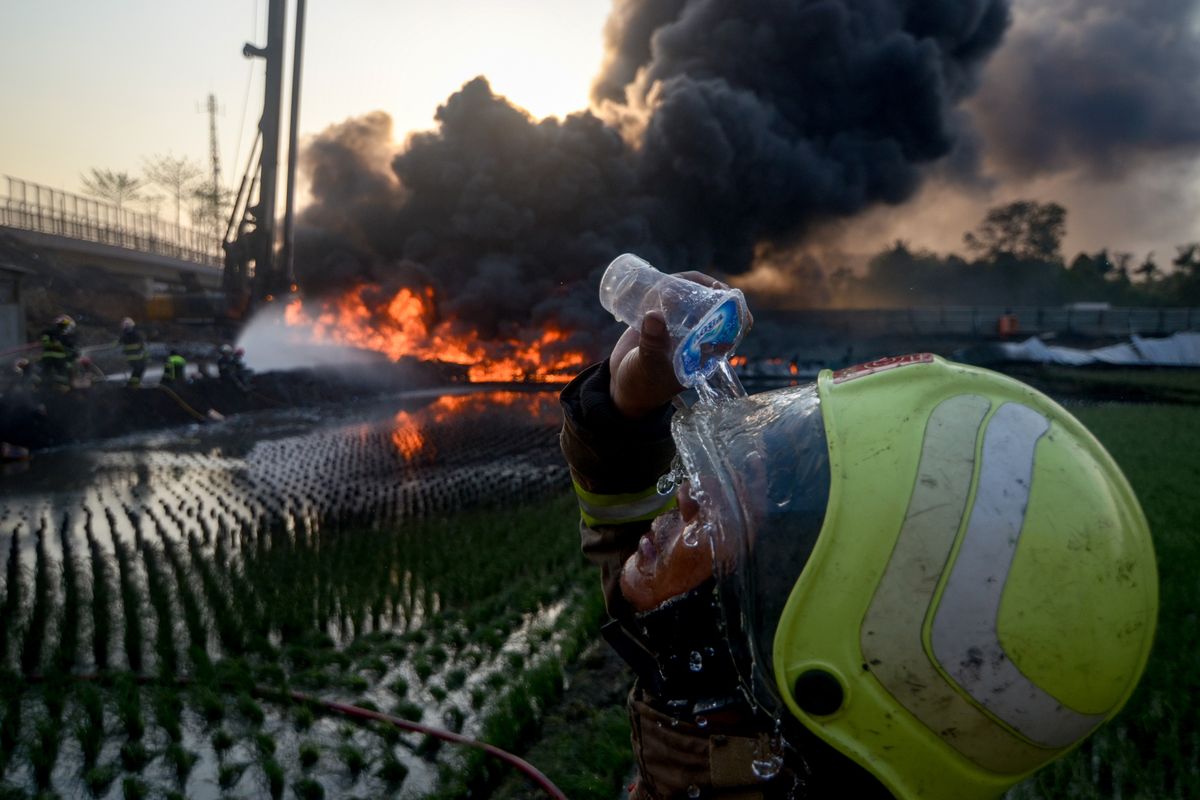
x,y
1091,104
110,84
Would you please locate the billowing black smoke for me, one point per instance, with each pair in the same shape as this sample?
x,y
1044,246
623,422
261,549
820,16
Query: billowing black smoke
x,y
1099,86
719,125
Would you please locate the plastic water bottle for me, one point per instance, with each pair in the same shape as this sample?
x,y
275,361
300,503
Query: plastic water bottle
x,y
705,325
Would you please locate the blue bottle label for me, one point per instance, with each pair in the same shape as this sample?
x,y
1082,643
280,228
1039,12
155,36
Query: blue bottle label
x,y
709,342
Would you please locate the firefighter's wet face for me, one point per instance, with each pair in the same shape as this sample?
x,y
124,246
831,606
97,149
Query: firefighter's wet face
x,y
675,557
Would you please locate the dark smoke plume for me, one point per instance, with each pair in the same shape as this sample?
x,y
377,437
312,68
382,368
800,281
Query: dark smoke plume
x,y
1098,86
719,126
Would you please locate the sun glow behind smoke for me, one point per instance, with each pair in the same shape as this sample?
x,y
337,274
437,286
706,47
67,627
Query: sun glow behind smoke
x,y
404,325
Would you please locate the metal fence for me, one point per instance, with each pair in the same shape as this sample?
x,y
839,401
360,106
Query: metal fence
x,y
986,321
33,207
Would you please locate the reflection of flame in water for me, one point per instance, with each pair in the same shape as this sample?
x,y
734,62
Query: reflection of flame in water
x,y
403,325
408,432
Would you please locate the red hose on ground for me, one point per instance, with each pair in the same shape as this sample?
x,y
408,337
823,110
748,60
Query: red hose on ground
x,y
354,712
527,769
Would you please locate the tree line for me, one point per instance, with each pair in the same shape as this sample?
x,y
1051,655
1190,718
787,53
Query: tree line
x,y
181,181
1014,257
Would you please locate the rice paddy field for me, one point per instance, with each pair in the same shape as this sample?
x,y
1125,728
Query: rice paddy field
x,y
166,597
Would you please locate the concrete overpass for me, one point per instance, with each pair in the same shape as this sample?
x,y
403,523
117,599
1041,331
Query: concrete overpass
x,y
156,257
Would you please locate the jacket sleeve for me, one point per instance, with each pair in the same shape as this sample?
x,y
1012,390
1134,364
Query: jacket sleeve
x,y
615,465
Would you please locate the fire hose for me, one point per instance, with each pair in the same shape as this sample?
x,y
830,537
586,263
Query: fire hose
x,y
355,712
366,715
183,404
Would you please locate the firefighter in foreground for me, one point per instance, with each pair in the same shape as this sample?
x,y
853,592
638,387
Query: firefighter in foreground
x,y
911,579
133,347
60,354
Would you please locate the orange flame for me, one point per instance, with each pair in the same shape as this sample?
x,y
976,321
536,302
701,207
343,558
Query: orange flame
x,y
409,428
403,325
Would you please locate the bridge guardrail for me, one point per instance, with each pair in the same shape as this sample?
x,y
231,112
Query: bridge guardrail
x,y
33,207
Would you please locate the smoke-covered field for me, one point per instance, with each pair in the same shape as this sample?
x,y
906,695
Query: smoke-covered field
x,y
161,593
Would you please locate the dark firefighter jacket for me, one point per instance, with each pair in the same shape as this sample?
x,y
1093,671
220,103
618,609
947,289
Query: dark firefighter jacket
x,y
133,345
615,465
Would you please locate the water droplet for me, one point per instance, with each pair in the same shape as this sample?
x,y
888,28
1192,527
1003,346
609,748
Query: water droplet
x,y
690,537
695,662
766,768
702,722
666,483
693,791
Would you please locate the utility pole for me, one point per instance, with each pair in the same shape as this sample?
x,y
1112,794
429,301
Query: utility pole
x,y
214,154
254,272
286,255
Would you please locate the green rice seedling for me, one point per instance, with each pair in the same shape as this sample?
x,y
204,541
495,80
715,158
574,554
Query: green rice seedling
x,y
222,740
173,795
134,756
366,704
408,710
495,680
454,718
392,771
250,709
355,683
229,774
11,729
310,753
35,628
102,604
312,679
134,789
265,744
456,678
12,593
270,675
428,748
303,718
68,638
168,709
275,777
353,758
160,601
437,654
131,604
211,704
423,668
516,661
438,693
44,752
373,665
478,697
90,728
129,706
192,616
54,693
91,738
98,779
308,789
181,760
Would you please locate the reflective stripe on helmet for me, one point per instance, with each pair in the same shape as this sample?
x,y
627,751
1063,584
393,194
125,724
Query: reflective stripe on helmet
x,y
964,635
618,509
891,630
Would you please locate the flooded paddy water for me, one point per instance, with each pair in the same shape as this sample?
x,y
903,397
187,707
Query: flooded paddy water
x,y
161,591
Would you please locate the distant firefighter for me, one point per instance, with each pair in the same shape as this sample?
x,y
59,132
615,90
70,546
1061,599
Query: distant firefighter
x,y
59,353
133,345
173,369
231,368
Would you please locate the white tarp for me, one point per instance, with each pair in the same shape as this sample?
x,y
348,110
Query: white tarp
x,y
1177,350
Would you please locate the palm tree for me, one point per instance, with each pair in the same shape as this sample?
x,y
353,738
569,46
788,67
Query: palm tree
x,y
115,187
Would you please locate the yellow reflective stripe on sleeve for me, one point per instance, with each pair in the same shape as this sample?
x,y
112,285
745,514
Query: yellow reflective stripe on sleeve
x,y
618,509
